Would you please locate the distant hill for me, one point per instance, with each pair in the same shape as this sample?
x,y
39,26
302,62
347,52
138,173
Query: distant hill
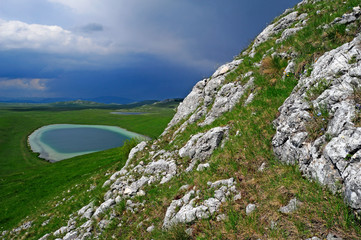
x,y
84,104
105,99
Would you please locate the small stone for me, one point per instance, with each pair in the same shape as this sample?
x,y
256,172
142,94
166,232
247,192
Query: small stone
x,y
141,193
46,222
250,208
45,237
273,225
262,167
86,224
150,229
356,9
237,197
107,183
118,199
313,238
202,167
189,231
332,236
127,191
88,214
103,207
60,231
184,188
221,217
71,236
291,207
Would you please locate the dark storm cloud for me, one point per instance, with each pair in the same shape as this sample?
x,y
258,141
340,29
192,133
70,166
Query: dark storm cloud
x,y
148,49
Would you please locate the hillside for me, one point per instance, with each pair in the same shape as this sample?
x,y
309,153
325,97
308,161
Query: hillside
x,y
268,147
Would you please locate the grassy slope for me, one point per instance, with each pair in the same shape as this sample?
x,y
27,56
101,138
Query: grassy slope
x,y
321,211
26,182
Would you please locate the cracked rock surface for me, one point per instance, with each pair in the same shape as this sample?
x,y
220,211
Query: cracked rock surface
x,y
191,207
210,98
333,158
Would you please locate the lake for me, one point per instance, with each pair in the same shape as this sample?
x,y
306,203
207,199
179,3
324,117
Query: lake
x,y
62,141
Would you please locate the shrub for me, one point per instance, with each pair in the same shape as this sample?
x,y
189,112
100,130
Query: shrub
x,y
273,66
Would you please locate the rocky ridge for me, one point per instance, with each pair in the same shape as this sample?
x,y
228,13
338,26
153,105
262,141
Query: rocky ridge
x,y
333,157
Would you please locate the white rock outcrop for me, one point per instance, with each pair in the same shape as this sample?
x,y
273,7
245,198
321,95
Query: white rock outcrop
x,y
277,27
202,145
190,207
333,158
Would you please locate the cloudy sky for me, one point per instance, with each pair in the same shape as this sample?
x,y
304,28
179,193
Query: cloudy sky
x,y
137,49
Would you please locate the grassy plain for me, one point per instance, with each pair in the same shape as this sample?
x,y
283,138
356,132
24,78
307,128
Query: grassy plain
x,y
26,182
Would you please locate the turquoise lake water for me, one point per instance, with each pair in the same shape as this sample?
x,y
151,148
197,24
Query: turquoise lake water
x,y
62,141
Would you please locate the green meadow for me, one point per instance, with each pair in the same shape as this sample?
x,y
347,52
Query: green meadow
x,y
26,181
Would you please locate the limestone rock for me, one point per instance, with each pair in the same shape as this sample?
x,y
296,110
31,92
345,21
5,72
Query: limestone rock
x,y
250,208
150,229
107,183
205,93
191,208
348,17
290,69
313,238
88,214
103,207
45,237
287,33
331,158
202,145
332,236
262,167
136,149
249,99
226,68
61,231
189,104
202,167
221,217
189,231
291,206
275,28
237,197
84,209
71,235
226,99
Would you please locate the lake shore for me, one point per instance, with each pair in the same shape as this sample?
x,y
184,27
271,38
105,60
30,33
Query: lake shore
x,y
51,154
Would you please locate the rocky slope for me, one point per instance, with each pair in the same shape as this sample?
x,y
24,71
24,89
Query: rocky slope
x,y
318,128
333,156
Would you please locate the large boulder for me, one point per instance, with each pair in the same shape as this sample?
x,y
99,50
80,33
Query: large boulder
x,y
202,145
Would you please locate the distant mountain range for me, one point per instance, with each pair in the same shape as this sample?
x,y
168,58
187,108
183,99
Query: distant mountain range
x,y
105,99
